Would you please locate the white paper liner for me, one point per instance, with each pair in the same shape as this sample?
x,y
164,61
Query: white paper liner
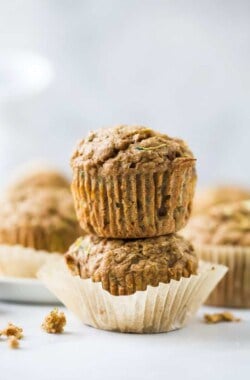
x,y
18,261
234,289
158,309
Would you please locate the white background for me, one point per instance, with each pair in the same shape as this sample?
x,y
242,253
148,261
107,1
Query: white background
x,y
199,351
179,66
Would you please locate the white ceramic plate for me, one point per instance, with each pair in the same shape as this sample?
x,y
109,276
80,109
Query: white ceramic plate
x,y
25,290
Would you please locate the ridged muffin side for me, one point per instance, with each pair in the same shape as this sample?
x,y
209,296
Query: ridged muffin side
x,y
43,219
132,182
222,236
126,266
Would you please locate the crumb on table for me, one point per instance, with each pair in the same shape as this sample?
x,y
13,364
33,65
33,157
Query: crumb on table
x,y
13,342
54,322
225,316
12,330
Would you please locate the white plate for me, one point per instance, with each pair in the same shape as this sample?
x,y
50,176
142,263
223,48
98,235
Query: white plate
x,y
26,290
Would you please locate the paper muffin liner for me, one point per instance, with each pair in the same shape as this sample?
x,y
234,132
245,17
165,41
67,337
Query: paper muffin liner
x,y
234,289
18,261
158,309
135,205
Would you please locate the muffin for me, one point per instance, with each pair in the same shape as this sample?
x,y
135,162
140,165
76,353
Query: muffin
x,y
126,266
222,235
132,182
38,177
32,221
143,285
206,198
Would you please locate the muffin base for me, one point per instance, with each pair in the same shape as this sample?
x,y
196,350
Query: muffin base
x,y
135,205
158,309
18,261
234,289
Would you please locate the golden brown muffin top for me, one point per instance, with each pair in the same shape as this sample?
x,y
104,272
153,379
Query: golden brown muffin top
x,y
39,178
206,198
125,266
225,224
46,208
128,148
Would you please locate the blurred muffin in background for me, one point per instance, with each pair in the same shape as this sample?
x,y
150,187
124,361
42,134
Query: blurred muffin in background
x,y
35,222
211,196
37,176
222,235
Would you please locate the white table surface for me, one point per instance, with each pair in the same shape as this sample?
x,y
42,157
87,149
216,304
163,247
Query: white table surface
x,y
198,351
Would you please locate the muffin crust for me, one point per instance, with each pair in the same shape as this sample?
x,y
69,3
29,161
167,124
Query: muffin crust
x,y
206,198
126,149
126,266
226,224
39,178
132,182
41,219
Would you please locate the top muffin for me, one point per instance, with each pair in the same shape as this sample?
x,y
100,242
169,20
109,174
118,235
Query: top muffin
x,y
206,198
225,224
132,182
124,148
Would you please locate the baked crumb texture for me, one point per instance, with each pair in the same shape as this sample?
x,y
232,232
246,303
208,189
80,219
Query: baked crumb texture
x,y
126,266
13,342
38,178
226,224
13,334
225,316
132,182
43,219
12,330
54,322
209,197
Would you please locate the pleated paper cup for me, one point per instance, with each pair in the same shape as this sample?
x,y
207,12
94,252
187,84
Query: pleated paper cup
x,y
234,289
135,205
18,261
158,309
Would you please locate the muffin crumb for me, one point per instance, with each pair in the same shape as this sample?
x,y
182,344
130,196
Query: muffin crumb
x,y
12,331
54,322
225,316
13,342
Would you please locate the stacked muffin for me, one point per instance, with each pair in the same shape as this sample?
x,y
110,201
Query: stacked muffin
x,y
132,183
133,190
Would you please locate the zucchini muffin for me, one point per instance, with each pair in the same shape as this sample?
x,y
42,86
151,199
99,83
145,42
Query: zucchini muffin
x,y
222,235
206,198
144,286
40,221
38,177
132,182
126,266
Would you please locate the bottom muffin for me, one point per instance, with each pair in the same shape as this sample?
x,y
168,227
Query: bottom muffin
x,y
126,266
144,285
